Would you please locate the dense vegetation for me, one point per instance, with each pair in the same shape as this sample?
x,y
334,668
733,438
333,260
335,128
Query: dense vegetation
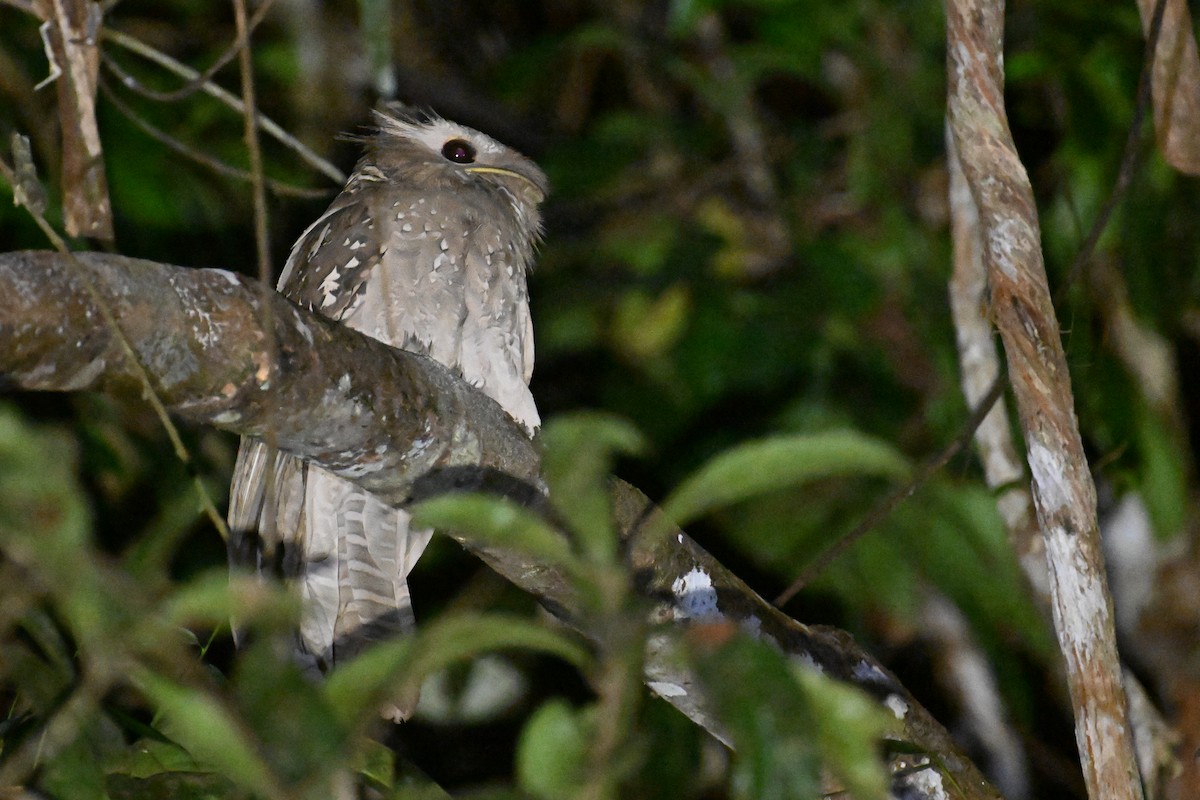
x,y
748,236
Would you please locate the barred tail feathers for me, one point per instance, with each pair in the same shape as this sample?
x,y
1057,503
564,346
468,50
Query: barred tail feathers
x,y
357,556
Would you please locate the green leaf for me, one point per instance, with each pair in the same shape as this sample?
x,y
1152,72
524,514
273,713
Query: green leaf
x,y
777,463
1163,479
498,521
297,732
203,725
175,785
849,728
766,715
391,669
551,752
147,757
213,598
787,722
578,453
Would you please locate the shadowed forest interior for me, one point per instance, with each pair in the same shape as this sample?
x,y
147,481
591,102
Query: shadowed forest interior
x,y
748,236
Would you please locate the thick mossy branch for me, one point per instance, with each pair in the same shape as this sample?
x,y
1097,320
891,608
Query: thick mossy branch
x,y
404,427
377,416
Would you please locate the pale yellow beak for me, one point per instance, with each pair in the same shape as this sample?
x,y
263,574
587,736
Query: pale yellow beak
x,y
539,196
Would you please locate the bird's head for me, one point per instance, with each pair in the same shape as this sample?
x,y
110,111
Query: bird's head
x,y
425,148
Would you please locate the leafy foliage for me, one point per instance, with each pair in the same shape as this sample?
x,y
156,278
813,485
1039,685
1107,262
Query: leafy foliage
x,y
782,348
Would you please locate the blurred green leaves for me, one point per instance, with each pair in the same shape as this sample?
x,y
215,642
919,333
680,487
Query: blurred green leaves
x,y
755,468
787,722
771,409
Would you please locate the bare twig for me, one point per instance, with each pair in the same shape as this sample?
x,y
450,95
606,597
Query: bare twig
x,y
1131,155
1064,494
250,115
266,123
70,34
979,361
1175,85
195,84
281,188
882,510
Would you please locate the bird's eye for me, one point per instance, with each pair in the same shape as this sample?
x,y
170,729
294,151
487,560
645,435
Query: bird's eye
x,y
459,151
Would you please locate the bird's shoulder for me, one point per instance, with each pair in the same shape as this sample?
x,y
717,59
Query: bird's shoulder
x,y
371,219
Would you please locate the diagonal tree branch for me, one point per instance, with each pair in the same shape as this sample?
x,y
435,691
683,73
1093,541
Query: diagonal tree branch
x,y
404,427
1063,492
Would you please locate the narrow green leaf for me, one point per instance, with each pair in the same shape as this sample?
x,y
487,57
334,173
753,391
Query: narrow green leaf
x,y
849,728
780,462
498,521
213,598
578,453
147,757
767,716
210,733
551,752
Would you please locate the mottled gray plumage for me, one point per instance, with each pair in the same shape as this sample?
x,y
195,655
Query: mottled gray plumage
x,y
427,249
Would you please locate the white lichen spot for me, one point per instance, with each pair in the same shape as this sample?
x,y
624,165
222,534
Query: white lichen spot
x,y
896,704
865,672
696,597
1080,604
1052,487
666,689
926,782
226,417
808,661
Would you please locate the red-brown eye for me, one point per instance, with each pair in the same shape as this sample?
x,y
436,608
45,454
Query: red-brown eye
x,y
459,151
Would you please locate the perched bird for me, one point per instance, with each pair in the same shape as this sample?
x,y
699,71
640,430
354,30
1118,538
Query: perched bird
x,y
427,249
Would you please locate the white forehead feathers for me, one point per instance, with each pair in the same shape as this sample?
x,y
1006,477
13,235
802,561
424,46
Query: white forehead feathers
x,y
436,132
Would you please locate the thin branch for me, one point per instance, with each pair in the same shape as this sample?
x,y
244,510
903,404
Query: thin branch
x,y
280,188
250,115
1176,85
195,84
266,123
884,509
1131,156
979,363
1064,494
70,36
